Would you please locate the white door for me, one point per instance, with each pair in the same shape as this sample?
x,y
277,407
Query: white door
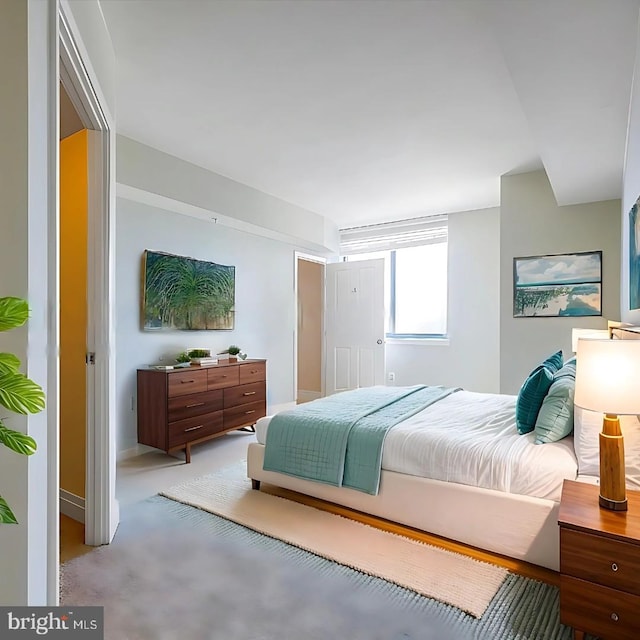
x,y
354,325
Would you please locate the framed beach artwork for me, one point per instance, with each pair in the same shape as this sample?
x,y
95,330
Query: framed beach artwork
x,y
634,257
567,284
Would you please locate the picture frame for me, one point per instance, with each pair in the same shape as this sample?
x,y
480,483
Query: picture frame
x,y
181,293
634,257
558,285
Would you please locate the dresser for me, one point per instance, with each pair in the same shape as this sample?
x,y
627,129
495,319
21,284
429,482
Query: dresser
x,y
178,408
599,564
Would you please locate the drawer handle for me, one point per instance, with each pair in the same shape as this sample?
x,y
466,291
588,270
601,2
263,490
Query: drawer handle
x,y
614,617
194,428
254,371
248,412
614,566
195,404
249,393
186,381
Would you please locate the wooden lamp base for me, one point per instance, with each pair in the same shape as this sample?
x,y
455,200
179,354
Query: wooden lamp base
x,y
612,467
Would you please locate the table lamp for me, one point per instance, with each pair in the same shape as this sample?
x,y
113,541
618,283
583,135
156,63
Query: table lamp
x,y
587,334
608,381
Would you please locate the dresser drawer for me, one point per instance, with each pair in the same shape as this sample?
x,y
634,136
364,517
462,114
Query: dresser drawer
x,y
244,414
195,404
608,562
183,383
600,611
194,428
244,393
253,372
220,377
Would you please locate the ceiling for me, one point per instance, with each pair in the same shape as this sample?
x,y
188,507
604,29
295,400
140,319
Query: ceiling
x,y
372,110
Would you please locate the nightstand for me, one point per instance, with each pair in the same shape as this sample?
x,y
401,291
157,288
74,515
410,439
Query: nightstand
x,y
599,564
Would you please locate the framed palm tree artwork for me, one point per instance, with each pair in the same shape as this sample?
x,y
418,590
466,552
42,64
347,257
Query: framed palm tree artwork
x,y
185,293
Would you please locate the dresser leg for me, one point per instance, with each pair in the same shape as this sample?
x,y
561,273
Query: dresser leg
x,y
578,635
255,484
187,453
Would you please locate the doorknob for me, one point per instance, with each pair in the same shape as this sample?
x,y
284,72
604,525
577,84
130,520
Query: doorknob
x,y
379,341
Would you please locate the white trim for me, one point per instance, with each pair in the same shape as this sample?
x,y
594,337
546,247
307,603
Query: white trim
x,y
134,452
72,505
101,507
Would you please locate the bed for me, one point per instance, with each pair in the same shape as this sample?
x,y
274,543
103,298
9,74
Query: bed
x,y
459,469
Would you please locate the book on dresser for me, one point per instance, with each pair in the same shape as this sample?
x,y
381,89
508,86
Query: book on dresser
x,y
179,408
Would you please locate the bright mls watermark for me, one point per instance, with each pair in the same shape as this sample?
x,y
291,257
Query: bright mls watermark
x,y
25,623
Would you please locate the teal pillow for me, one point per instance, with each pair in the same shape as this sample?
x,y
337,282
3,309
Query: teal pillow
x,y
554,362
555,419
530,398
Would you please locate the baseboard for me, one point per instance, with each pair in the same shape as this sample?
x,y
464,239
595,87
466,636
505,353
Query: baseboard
x,y
308,396
138,450
72,505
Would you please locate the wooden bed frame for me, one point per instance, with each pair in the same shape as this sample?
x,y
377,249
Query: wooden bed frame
x,y
519,527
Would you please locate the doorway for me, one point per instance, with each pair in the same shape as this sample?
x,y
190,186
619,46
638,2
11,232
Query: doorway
x,y
76,77
309,277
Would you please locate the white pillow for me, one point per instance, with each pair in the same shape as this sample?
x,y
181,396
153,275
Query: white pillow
x,y
586,427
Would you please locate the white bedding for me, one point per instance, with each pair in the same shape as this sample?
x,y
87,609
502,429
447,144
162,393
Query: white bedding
x,y
470,438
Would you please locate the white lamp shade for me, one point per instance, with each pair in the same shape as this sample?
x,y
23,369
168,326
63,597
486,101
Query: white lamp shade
x,y
587,334
608,376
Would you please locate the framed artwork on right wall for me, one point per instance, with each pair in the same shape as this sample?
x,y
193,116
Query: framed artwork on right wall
x,y
560,285
634,257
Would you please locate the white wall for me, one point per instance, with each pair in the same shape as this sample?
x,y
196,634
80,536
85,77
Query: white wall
x,y
160,179
630,192
264,310
28,205
532,224
471,357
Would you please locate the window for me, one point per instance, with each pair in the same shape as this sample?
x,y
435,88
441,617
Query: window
x,y
415,253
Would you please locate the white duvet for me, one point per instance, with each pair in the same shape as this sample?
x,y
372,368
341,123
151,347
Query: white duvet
x,y
471,438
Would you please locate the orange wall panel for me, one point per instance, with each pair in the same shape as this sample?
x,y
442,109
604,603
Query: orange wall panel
x,y
73,311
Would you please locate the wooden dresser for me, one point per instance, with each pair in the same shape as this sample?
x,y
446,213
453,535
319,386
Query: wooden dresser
x,y
599,564
182,407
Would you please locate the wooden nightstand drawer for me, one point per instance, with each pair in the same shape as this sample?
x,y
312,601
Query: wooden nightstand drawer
x,y
244,414
253,372
244,393
182,383
601,611
181,407
223,377
608,562
194,428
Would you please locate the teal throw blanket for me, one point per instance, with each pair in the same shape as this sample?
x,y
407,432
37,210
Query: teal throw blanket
x,y
338,439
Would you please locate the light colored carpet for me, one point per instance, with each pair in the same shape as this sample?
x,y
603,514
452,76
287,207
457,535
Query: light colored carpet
x,y
451,578
174,571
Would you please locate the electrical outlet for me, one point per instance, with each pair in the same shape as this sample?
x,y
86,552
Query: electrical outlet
x,y
391,376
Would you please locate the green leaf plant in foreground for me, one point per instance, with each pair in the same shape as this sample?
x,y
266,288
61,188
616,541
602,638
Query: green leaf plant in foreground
x,y
17,392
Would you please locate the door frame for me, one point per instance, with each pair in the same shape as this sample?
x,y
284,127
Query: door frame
x,y
299,255
101,506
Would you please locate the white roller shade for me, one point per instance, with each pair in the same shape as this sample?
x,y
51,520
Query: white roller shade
x,y
393,235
